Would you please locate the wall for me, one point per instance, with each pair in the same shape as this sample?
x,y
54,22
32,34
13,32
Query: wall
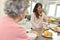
x,y
2,2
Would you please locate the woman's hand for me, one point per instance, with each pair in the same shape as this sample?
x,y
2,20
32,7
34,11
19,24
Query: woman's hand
x,y
48,21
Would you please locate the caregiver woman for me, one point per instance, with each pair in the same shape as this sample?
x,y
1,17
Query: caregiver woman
x,y
38,16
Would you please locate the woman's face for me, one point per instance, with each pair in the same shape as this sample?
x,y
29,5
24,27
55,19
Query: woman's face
x,y
39,9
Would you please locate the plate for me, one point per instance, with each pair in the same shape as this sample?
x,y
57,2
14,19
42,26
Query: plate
x,y
56,29
46,36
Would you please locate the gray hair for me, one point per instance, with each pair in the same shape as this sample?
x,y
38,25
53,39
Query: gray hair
x,y
15,7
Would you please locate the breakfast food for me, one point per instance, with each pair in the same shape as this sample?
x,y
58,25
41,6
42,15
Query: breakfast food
x,y
47,34
46,29
52,19
55,28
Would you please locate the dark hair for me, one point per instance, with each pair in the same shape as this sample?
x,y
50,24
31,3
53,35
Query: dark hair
x,y
35,9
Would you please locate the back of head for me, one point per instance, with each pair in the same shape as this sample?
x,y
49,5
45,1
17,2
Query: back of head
x,y
13,8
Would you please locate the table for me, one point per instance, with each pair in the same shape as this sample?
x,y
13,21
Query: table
x,y
40,37
56,36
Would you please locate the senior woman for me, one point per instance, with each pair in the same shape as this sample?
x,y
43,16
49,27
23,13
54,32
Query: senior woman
x,y
9,29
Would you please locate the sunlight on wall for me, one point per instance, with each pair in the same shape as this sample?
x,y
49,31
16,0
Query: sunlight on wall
x,y
51,11
58,11
31,7
2,2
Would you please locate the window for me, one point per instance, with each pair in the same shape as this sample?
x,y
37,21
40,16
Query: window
x,y
58,11
30,8
51,11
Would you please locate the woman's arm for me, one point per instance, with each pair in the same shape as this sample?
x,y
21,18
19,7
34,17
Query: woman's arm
x,y
46,18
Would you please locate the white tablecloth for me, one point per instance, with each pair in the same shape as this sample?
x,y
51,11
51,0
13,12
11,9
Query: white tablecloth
x,y
55,36
32,36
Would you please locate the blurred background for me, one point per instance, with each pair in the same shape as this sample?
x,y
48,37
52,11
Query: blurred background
x,y
50,7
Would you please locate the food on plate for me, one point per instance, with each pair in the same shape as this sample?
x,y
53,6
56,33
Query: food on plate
x,y
46,29
47,34
52,19
55,28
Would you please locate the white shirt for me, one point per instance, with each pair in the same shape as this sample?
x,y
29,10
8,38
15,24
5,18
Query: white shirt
x,y
36,23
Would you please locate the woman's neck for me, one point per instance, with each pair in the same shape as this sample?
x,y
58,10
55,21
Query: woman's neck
x,y
40,13
15,19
